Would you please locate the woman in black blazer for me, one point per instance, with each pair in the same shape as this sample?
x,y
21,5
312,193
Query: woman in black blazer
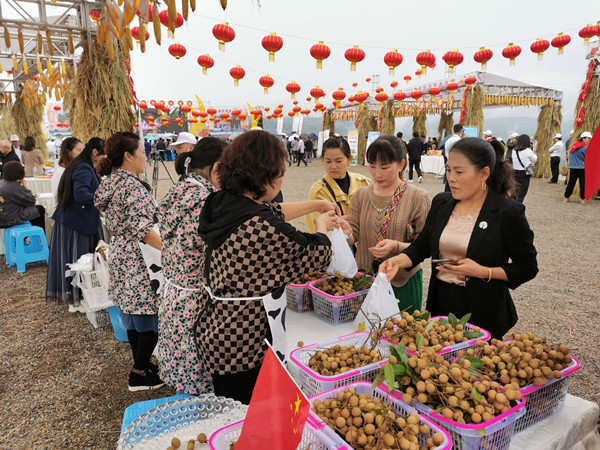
x,y
481,233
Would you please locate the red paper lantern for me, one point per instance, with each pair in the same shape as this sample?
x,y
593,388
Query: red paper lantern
x,y
143,104
295,102
224,116
266,82
229,120
419,73
511,52
399,96
237,73
354,85
319,106
426,59
202,120
150,12
394,84
166,123
540,46
308,99
223,33
216,120
291,113
202,114
433,91
277,111
186,109
469,81
416,94
368,80
135,33
57,108
293,88
379,89
589,32
392,59
381,97
94,15
180,103
354,55
320,52
206,62
171,102
272,43
338,96
452,86
177,50
306,112
560,42
296,109
243,116
317,93
453,59
482,56
236,112
164,19
407,78
361,97
211,112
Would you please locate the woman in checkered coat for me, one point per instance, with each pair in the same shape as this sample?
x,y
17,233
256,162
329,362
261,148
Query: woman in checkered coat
x,y
251,251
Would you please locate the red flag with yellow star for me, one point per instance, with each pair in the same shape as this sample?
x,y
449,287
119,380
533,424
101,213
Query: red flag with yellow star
x,y
277,411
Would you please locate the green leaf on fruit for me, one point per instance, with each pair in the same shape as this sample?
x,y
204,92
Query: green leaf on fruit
x,y
452,320
429,326
472,334
388,372
425,316
475,393
443,321
420,341
481,431
461,420
464,319
476,363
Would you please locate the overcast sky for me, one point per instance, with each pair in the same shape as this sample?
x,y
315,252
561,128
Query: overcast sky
x,y
377,26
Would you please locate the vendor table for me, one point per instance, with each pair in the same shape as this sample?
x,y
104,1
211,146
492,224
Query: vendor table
x,y
39,185
432,164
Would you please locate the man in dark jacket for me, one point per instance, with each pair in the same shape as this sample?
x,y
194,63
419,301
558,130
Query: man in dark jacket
x,y
6,154
415,148
17,202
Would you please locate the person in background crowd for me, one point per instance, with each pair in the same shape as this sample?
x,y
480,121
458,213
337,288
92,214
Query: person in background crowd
x,y
338,185
294,145
301,152
17,202
7,154
147,148
308,149
416,147
429,143
77,227
385,218
130,212
32,158
252,253
14,142
434,146
555,153
487,135
458,134
70,148
482,235
153,149
522,157
568,148
51,149
510,145
160,146
404,143
577,166
182,262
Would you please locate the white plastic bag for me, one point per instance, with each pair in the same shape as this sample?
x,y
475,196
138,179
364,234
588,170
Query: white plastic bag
x,y
379,304
342,259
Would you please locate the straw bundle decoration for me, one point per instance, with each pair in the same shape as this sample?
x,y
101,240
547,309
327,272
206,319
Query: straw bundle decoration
x,y
388,123
363,124
474,111
549,121
99,96
446,125
419,123
27,121
6,121
329,123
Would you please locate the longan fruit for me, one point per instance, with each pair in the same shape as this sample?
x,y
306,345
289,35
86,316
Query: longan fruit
x,y
175,443
476,417
370,429
447,413
340,422
300,344
369,418
404,444
393,360
424,429
422,398
202,438
191,445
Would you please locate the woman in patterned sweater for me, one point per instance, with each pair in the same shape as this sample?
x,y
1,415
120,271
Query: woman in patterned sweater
x,y
251,252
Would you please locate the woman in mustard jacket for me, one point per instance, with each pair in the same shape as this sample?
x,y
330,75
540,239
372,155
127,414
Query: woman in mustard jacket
x,y
338,185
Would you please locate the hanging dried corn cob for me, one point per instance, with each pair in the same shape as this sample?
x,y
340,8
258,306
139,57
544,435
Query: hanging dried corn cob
x,y
172,13
21,40
6,38
111,49
15,65
128,38
184,9
156,25
49,43
40,43
40,69
193,5
25,66
224,4
70,45
63,67
142,35
101,32
49,66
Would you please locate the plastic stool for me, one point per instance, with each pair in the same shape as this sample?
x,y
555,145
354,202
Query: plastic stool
x,y
117,324
25,225
20,253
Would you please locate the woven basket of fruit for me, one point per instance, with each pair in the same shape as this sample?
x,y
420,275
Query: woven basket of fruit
x,y
299,297
312,437
446,335
337,300
476,413
377,418
539,371
338,362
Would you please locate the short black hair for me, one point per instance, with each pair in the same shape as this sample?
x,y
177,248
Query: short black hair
x,y
383,152
457,127
13,171
415,134
399,134
338,142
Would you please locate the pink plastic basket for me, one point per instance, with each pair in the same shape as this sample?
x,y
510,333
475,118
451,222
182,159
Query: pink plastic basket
x,y
313,383
496,433
336,310
299,297
398,406
312,437
450,353
544,401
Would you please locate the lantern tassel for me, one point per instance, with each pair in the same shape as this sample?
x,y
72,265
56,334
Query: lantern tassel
x,y
540,56
561,51
266,90
222,46
293,96
353,67
319,64
586,42
484,66
170,34
407,81
424,68
236,83
512,62
271,56
391,71
204,71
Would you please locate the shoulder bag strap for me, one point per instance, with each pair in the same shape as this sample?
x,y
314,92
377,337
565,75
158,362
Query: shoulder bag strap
x,y
390,210
330,189
519,158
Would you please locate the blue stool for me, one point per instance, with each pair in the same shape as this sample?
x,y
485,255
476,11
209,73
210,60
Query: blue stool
x,y
19,252
7,239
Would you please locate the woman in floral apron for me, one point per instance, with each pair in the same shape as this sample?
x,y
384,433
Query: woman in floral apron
x,y
252,253
130,211
182,257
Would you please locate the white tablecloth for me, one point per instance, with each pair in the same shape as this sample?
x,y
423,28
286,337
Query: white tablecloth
x,y
39,185
432,164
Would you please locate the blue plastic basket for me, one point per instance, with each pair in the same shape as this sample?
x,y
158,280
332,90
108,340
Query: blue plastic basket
x,y
117,324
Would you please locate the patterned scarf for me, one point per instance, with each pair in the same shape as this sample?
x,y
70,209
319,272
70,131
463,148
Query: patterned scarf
x,y
390,210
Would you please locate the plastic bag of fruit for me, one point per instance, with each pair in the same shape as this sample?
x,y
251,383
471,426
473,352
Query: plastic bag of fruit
x,y
379,304
342,260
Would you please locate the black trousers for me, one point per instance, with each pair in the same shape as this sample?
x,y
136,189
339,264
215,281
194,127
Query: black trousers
x,y
142,345
522,180
416,163
301,158
238,386
554,164
574,175
41,220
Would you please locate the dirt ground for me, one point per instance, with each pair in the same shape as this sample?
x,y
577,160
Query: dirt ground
x,y
63,384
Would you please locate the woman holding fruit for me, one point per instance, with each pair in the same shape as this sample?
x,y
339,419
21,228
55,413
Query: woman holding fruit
x,y
385,217
480,239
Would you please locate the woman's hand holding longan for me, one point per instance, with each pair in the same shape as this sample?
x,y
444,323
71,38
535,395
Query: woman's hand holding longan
x,y
326,206
326,222
384,248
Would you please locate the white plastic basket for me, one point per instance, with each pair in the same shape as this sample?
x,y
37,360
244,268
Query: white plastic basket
x,y
336,310
397,405
98,317
313,383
